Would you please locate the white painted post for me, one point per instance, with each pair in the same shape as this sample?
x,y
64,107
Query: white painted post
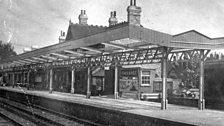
x,y
164,79
51,80
139,83
201,102
88,83
73,81
116,82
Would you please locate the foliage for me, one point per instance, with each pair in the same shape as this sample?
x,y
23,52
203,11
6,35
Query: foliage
x,y
6,50
187,70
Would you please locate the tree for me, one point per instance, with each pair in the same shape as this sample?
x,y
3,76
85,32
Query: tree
x,y
6,50
187,70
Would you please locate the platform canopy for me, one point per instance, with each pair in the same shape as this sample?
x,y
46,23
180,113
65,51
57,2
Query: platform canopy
x,y
123,43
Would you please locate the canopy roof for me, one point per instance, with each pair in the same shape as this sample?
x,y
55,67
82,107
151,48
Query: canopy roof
x,y
117,39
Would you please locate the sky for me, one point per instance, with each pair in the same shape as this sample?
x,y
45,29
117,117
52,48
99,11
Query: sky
x,y
26,23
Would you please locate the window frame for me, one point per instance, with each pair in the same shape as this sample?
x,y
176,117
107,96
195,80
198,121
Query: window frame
x,y
144,75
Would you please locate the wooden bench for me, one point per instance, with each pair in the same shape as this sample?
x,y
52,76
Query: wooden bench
x,y
148,96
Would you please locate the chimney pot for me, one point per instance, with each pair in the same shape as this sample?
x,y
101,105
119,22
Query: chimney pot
x,y
111,14
70,22
115,13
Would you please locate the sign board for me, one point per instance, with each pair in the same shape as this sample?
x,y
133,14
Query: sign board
x,y
129,72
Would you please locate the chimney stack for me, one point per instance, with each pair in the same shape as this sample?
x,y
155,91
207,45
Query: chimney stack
x,y
134,13
26,50
112,20
70,22
34,47
62,37
83,18
131,2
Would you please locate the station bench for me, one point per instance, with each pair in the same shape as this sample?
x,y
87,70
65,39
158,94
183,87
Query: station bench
x,y
150,96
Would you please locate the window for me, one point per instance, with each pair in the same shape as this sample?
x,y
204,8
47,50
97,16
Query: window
x,y
145,78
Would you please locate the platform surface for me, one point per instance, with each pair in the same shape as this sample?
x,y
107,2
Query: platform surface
x,y
188,115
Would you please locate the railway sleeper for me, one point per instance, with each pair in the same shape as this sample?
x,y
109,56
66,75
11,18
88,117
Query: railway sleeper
x,y
17,120
26,115
42,116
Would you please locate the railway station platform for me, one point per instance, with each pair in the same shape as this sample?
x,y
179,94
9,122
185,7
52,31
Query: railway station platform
x,y
108,111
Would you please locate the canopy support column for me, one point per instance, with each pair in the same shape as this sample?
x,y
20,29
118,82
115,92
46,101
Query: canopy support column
x,y
164,79
17,79
73,81
51,81
67,78
8,79
88,83
24,78
21,78
13,80
116,82
47,77
201,102
28,80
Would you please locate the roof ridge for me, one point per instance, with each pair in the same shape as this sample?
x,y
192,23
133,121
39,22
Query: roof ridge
x,y
100,26
192,31
118,25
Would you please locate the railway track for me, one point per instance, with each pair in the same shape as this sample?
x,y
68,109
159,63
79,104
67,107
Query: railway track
x,y
9,119
4,121
23,115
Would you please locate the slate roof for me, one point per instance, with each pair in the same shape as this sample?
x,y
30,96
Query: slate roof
x,y
77,31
